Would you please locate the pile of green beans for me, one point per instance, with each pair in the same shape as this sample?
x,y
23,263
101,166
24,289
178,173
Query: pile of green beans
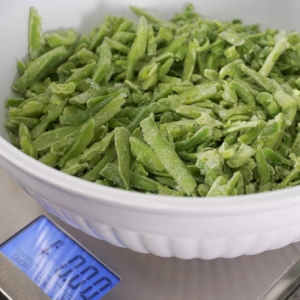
x,y
186,107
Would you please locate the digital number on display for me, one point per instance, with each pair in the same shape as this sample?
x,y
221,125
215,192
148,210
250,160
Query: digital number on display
x,y
57,264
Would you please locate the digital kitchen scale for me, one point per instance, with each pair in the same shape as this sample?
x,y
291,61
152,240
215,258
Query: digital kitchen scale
x,y
41,257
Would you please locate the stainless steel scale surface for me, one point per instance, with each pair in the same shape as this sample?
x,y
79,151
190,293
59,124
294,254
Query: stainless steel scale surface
x,y
268,276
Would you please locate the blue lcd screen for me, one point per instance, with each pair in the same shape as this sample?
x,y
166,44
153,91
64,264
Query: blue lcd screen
x,y
57,264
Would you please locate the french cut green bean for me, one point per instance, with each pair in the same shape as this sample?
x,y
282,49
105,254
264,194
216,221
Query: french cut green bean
x,y
185,107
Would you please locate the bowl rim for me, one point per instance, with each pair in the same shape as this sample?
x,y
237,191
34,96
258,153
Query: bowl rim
x,y
243,204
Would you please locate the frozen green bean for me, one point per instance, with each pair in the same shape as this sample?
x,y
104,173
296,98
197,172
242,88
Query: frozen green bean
x,y
26,141
145,155
122,136
41,66
138,47
81,73
168,156
186,107
62,38
35,34
81,143
190,60
103,64
280,46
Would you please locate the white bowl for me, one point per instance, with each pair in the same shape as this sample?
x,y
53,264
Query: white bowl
x,y
165,226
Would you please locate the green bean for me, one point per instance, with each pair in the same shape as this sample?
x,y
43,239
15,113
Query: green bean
x,y
122,136
14,123
229,95
176,44
14,138
206,120
62,38
196,94
50,159
138,47
64,70
145,155
26,141
62,90
167,156
117,45
288,106
296,145
291,176
75,169
83,140
41,66
84,97
137,180
267,101
124,26
21,67
164,68
165,33
35,34
138,168
276,158
81,73
199,137
272,134
142,114
182,51
99,133
238,126
151,43
33,108
222,187
170,182
82,57
40,128
148,16
241,157
97,148
96,100
49,138
210,164
241,109
213,61
186,156
147,71
100,35
231,54
180,128
242,92
226,151
262,167
93,174
85,115
280,46
232,38
190,60
109,111
55,108
264,82
230,69
103,64
249,136
124,37
69,110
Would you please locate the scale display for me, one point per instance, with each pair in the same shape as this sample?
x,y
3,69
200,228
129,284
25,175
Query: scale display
x,y
57,264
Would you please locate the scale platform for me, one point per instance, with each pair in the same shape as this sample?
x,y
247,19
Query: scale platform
x,y
273,275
